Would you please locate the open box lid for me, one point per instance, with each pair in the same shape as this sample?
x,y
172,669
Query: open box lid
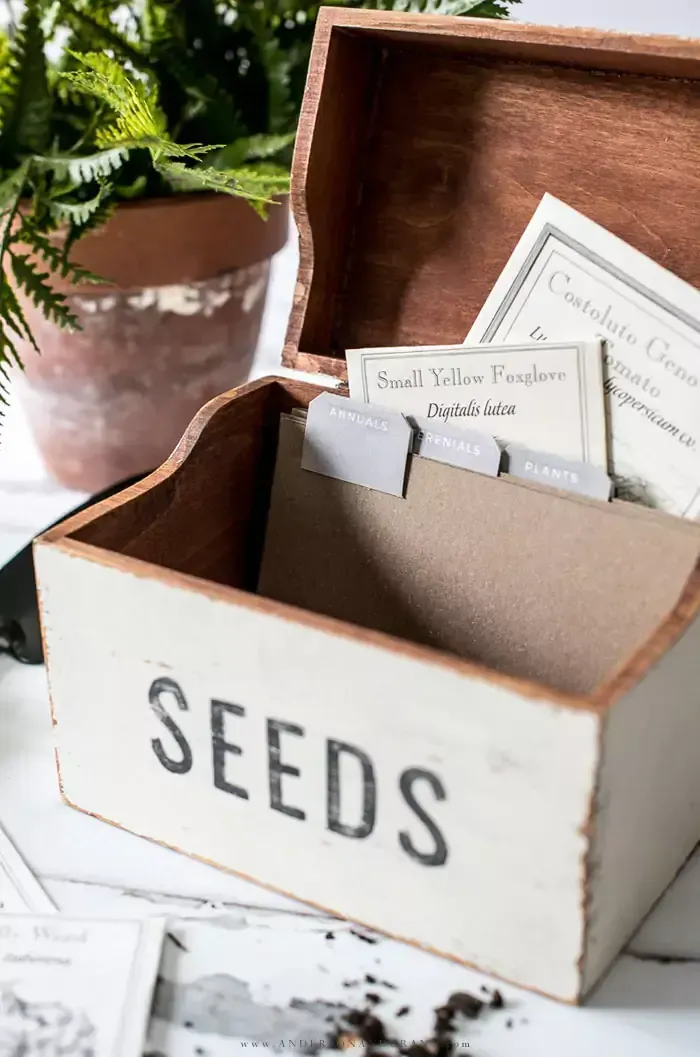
x,y
426,143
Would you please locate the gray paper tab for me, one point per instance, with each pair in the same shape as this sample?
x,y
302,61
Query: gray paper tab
x,y
355,442
457,447
578,477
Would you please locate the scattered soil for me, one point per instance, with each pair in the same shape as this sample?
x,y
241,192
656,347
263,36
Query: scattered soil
x,y
467,1005
364,1026
369,979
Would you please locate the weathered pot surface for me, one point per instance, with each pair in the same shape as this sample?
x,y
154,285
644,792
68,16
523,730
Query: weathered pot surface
x,y
179,325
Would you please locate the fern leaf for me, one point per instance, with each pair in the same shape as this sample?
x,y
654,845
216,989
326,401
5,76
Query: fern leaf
x,y
138,120
11,200
10,188
12,314
79,231
7,73
157,145
8,356
79,212
251,148
38,289
261,147
99,28
135,189
262,180
493,9
54,253
184,178
89,168
42,246
133,102
139,123
257,185
55,257
27,105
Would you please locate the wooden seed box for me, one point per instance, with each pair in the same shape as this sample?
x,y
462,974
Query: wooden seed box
x,y
518,826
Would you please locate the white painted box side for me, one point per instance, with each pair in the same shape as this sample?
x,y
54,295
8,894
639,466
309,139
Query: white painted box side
x,y
503,783
648,805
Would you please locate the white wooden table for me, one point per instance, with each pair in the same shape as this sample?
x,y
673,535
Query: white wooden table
x,y
247,964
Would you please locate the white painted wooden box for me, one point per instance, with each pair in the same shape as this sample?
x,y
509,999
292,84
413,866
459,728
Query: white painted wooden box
x,y
487,816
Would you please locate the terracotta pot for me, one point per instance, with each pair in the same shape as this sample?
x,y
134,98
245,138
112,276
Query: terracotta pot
x,y
179,325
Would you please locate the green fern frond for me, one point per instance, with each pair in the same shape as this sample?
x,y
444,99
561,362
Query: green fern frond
x,y
258,185
263,180
8,356
38,289
11,312
95,22
78,231
252,148
493,9
89,168
26,100
133,102
158,146
43,247
53,251
12,191
259,148
141,124
6,72
10,188
79,212
138,120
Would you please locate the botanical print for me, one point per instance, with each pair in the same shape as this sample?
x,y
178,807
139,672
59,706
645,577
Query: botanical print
x,y
43,1029
72,987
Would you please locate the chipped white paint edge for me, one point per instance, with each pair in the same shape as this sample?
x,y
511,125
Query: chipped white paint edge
x,y
518,773
648,815
187,299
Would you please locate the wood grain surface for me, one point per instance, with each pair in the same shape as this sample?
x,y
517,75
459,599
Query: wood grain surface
x,y
412,184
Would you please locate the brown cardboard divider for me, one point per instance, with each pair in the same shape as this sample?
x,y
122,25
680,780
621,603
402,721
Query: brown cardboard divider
x,y
525,580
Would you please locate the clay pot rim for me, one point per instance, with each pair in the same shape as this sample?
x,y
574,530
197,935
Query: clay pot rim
x,y
180,199
173,240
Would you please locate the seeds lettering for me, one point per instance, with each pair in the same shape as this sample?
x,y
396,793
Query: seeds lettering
x,y
346,818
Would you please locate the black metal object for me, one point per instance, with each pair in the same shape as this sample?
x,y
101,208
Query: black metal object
x,y
20,633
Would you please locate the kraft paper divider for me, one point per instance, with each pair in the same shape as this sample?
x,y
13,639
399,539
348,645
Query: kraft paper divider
x,y
521,578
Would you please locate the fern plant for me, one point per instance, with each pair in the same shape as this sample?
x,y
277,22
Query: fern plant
x,y
149,98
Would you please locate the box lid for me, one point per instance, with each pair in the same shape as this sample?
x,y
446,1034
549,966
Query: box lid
x,y
426,143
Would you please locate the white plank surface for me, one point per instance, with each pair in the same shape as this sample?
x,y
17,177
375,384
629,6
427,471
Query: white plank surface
x,y
643,1007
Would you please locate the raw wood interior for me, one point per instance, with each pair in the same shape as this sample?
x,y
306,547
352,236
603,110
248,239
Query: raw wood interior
x,y
207,518
554,589
422,157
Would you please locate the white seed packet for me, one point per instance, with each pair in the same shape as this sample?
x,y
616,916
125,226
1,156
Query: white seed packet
x,y
71,986
570,278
